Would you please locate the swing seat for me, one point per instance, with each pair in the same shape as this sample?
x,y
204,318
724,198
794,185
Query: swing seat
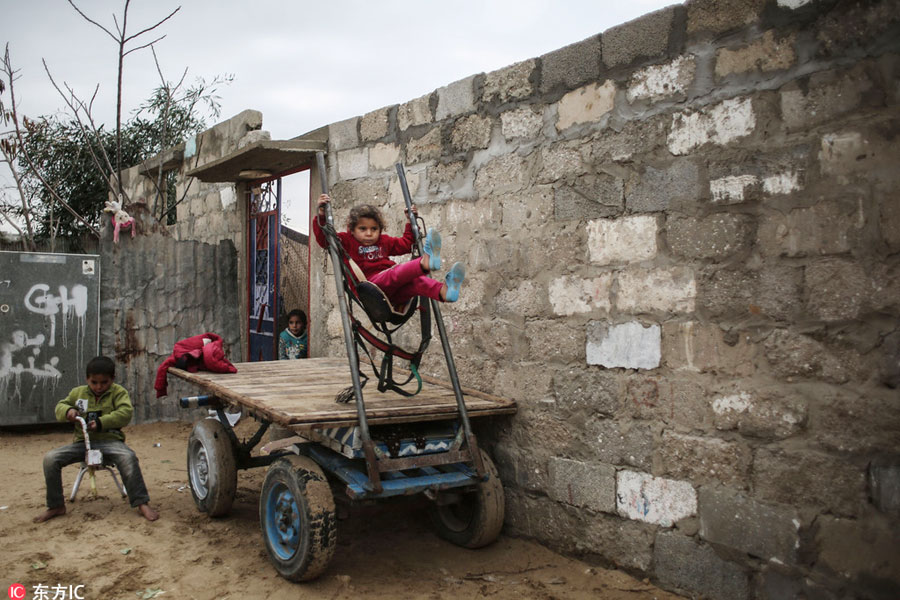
x,y
376,303
379,308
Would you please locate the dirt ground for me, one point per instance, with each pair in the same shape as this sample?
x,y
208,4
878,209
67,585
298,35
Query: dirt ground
x,y
384,551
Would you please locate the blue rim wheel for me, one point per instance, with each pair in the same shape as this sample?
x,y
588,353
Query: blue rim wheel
x,y
296,516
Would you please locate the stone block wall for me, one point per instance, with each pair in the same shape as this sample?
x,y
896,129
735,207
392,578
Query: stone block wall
x,y
682,242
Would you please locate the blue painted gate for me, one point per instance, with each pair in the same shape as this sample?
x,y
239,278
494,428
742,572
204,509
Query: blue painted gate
x,y
263,259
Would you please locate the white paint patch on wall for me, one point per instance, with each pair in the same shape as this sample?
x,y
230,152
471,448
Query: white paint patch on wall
x,y
642,497
727,121
793,4
570,294
782,183
659,81
629,239
630,345
731,190
227,196
736,403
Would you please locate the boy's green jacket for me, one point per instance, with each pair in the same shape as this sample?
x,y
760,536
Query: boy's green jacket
x,y
115,411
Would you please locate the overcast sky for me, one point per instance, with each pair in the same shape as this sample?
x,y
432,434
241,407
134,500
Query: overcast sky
x,y
303,64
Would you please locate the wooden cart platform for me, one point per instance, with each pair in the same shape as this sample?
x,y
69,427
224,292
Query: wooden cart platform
x,y
300,394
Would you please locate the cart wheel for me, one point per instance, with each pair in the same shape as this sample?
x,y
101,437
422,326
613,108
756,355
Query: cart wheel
x,y
475,520
296,515
211,468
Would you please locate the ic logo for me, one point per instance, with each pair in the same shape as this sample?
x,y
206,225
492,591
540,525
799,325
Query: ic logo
x,y
16,591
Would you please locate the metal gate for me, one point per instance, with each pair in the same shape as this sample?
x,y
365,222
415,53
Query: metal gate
x,y
265,216
49,329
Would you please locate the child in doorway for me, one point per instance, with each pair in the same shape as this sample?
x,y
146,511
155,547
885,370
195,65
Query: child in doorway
x,y
108,409
293,341
366,245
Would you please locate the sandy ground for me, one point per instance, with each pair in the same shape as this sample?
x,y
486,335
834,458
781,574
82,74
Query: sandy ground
x,y
384,551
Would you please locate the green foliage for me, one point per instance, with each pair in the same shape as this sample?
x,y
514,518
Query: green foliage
x,y
66,154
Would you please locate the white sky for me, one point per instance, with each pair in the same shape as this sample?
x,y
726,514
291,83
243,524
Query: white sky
x,y
302,64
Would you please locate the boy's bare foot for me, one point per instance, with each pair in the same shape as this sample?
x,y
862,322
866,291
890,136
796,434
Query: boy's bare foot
x,y
148,512
49,514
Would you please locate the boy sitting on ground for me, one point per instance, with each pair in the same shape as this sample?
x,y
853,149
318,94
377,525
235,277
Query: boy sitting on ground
x,y
109,409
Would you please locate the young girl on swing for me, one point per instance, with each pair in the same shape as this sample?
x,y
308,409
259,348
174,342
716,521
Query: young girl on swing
x,y
368,247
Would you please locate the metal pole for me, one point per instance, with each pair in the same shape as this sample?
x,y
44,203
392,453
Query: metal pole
x,y
368,446
445,341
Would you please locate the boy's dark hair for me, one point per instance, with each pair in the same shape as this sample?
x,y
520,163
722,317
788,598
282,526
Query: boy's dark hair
x,y
364,211
298,313
101,365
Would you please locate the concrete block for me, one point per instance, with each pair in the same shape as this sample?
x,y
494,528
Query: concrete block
x,y
667,81
343,135
623,240
623,542
559,161
471,133
525,211
737,521
572,66
507,173
642,497
585,392
767,413
823,97
644,38
571,294
510,83
715,237
849,421
726,293
703,460
569,341
383,156
720,124
792,355
587,104
633,138
522,123
658,189
733,189
779,184
353,163
589,197
884,485
525,469
374,125
826,228
683,564
455,99
588,485
719,16
629,345
650,290
681,402
864,551
837,289
527,299
415,112
806,478
621,442
424,148
696,347
762,55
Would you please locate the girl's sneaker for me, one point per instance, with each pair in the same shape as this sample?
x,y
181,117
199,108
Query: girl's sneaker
x,y
454,280
432,248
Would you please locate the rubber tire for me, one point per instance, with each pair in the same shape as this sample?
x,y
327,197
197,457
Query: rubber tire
x,y
476,520
210,449
300,483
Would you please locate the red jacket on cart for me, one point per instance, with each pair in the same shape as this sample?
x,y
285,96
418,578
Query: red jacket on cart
x,y
205,351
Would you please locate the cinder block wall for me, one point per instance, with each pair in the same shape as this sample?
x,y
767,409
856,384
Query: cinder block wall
x,y
682,242
174,281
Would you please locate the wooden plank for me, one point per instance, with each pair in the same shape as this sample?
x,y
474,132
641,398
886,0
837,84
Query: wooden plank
x,y
301,394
